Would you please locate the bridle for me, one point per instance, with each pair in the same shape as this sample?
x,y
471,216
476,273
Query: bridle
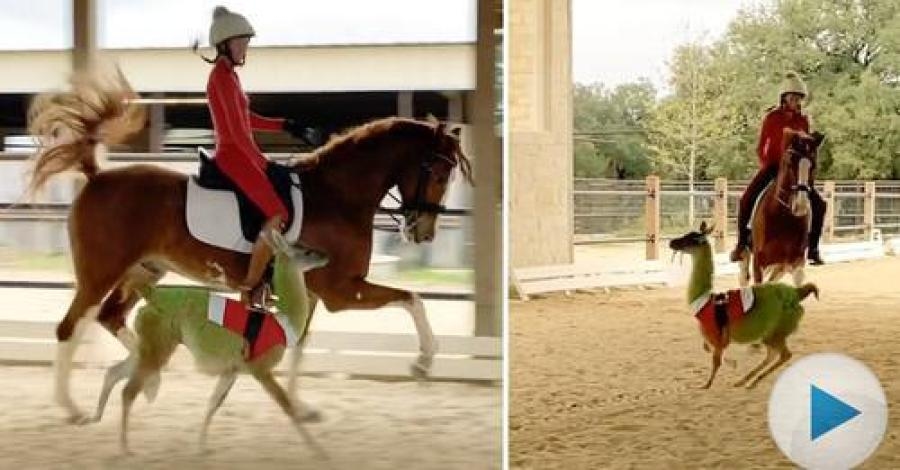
x,y
795,188
411,210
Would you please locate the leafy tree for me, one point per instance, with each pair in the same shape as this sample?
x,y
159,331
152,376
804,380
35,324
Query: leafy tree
x,y
609,126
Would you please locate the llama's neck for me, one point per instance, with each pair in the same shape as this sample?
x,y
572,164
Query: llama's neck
x,y
290,289
701,273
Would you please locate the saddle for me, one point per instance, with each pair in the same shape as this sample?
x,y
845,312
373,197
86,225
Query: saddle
x,y
282,178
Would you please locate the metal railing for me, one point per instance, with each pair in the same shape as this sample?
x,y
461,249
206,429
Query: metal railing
x,y
652,210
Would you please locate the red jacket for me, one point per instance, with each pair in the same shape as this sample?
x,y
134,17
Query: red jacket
x,y
236,152
771,138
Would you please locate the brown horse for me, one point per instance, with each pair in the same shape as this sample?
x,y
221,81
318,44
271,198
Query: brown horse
x,y
781,221
131,220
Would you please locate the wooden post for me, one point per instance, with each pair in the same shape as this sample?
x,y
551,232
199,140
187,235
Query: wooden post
x,y
828,225
720,214
651,212
869,209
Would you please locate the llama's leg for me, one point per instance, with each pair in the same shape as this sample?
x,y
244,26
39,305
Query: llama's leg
x,y
784,355
81,313
226,381
770,355
716,363
305,412
129,393
114,375
274,390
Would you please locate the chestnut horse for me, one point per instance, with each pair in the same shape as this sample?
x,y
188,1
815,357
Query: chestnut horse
x,y
781,221
131,220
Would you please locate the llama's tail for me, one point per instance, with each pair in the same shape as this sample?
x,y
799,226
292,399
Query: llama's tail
x,y
69,124
806,289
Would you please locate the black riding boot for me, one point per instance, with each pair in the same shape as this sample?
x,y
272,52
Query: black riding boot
x,y
818,207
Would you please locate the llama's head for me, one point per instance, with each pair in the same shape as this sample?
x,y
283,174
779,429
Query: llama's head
x,y
691,242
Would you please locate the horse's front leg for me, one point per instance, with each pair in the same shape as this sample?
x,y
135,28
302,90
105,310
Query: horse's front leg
x,y
361,294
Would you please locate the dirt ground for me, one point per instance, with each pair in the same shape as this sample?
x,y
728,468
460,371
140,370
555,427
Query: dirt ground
x,y
368,425
608,380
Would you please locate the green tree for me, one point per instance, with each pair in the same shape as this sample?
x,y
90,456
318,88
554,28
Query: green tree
x,y
848,51
609,125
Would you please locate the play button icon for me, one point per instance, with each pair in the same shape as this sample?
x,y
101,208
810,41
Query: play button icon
x,y
827,411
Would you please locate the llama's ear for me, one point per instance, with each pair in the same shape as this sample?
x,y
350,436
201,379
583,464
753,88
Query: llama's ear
x,y
456,131
703,227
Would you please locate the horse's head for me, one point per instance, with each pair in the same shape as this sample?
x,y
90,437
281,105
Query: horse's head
x,y
692,241
423,182
795,176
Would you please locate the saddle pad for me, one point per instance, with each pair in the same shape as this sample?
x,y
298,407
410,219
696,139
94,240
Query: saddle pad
x,y
213,218
274,329
737,303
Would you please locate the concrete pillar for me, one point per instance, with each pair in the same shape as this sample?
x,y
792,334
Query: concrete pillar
x,y
539,112
488,180
405,104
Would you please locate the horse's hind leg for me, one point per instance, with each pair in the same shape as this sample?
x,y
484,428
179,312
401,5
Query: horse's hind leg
x,y
777,344
757,271
120,301
82,311
777,272
744,275
226,381
799,275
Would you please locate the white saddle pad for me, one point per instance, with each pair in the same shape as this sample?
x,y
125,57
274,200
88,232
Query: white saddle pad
x,y
213,217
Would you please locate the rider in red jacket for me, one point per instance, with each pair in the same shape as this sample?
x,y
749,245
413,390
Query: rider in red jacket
x,y
237,155
769,150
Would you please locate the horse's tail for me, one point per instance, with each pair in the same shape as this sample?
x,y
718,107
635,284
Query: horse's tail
x,y
806,289
69,124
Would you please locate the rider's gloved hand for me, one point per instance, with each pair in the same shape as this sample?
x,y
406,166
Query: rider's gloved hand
x,y
310,135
